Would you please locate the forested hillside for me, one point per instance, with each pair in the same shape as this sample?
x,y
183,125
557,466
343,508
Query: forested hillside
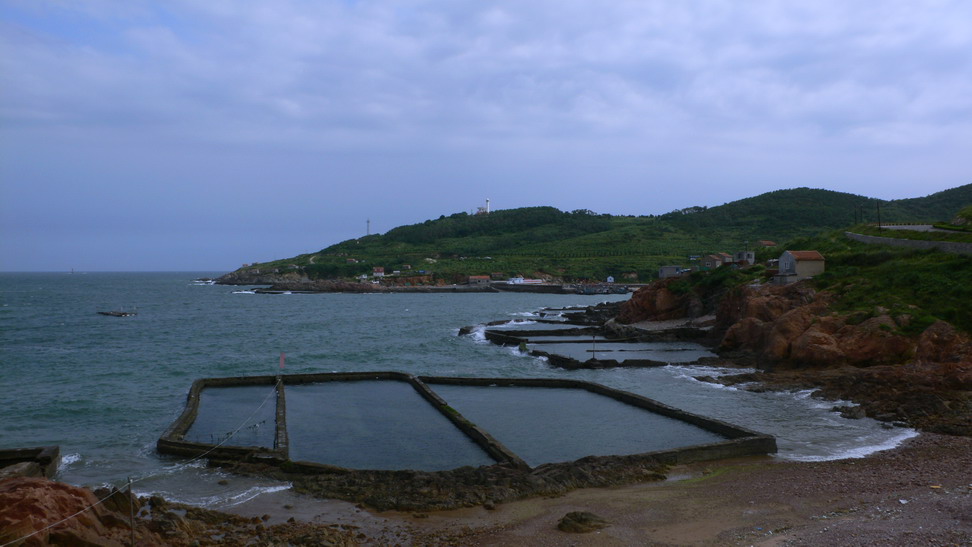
x,y
583,245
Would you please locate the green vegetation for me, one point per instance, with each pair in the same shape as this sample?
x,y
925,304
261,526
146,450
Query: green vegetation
x,y
868,280
965,215
925,285
959,237
583,245
961,223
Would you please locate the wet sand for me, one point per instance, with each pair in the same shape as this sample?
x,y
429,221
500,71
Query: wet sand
x,y
917,494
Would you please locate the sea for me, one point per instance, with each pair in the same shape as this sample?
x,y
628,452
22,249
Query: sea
x,y
105,388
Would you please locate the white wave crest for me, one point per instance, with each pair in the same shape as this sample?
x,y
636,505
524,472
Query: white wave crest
x,y
221,501
478,334
860,451
67,460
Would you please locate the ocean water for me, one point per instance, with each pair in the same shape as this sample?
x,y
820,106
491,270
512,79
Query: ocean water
x,y
105,388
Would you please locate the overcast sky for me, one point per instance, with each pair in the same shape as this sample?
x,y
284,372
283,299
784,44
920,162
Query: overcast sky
x,y
199,135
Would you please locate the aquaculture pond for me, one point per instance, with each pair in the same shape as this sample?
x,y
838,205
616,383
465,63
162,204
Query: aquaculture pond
x,y
546,425
223,409
374,425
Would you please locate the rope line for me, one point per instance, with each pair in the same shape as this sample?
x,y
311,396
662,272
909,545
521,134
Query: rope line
x,y
65,519
199,457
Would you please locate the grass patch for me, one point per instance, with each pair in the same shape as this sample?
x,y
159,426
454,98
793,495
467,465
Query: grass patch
x,y
916,287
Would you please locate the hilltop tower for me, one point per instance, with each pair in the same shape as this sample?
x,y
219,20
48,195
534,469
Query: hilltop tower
x,y
483,210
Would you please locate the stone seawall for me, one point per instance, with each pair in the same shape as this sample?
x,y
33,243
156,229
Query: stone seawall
x,y
945,246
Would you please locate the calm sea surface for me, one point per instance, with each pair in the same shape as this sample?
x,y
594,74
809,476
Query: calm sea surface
x,y
105,388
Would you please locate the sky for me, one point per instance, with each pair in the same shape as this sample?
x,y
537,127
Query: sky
x,y
183,135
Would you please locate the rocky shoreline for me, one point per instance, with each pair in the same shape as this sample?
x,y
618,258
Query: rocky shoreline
x,y
917,494
791,334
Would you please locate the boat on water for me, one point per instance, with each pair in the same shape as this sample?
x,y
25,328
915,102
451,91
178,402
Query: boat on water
x,y
119,313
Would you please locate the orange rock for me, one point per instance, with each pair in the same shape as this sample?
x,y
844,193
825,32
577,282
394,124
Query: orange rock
x,y
31,504
654,302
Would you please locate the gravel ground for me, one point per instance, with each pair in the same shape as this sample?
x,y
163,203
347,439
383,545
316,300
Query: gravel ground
x,y
917,494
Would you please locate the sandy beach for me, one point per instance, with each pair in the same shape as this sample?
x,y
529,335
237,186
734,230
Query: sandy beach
x,y
917,494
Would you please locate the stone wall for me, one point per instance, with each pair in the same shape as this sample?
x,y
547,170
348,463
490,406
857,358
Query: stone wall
x,y
740,441
945,246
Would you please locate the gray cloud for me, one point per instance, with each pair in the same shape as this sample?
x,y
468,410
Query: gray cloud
x,y
213,114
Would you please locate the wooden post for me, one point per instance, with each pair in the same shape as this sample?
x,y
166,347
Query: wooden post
x,y
131,510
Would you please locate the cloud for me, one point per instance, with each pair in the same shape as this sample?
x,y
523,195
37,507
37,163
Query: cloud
x,y
711,100
499,70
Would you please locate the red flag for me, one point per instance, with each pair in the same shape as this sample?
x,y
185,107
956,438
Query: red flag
x,y
283,356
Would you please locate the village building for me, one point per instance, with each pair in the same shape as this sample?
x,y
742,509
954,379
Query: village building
x,y
669,271
797,265
766,243
478,280
710,262
745,258
726,257
378,271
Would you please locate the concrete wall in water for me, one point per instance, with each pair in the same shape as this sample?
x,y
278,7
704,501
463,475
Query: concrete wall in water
x,y
739,441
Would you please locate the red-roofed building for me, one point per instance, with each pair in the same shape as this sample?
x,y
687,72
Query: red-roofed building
x,y
797,265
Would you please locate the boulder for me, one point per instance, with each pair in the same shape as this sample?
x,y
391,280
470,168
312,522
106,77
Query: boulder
x,y
816,347
873,342
581,522
942,343
22,469
655,302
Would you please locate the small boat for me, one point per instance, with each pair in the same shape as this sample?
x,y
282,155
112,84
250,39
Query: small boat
x,y
119,313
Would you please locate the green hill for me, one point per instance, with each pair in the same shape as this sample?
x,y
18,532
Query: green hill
x,y
583,245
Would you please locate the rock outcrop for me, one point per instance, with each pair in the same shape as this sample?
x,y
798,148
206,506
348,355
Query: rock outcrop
x,y
865,357
793,326
657,302
256,276
29,505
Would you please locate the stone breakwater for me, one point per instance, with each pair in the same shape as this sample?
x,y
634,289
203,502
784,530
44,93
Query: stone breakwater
x,y
792,332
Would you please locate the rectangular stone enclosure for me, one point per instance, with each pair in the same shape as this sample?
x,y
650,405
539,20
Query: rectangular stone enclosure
x,y
394,421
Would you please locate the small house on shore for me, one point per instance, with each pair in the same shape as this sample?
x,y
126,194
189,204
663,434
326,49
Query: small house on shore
x,y
669,271
797,265
710,262
745,258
